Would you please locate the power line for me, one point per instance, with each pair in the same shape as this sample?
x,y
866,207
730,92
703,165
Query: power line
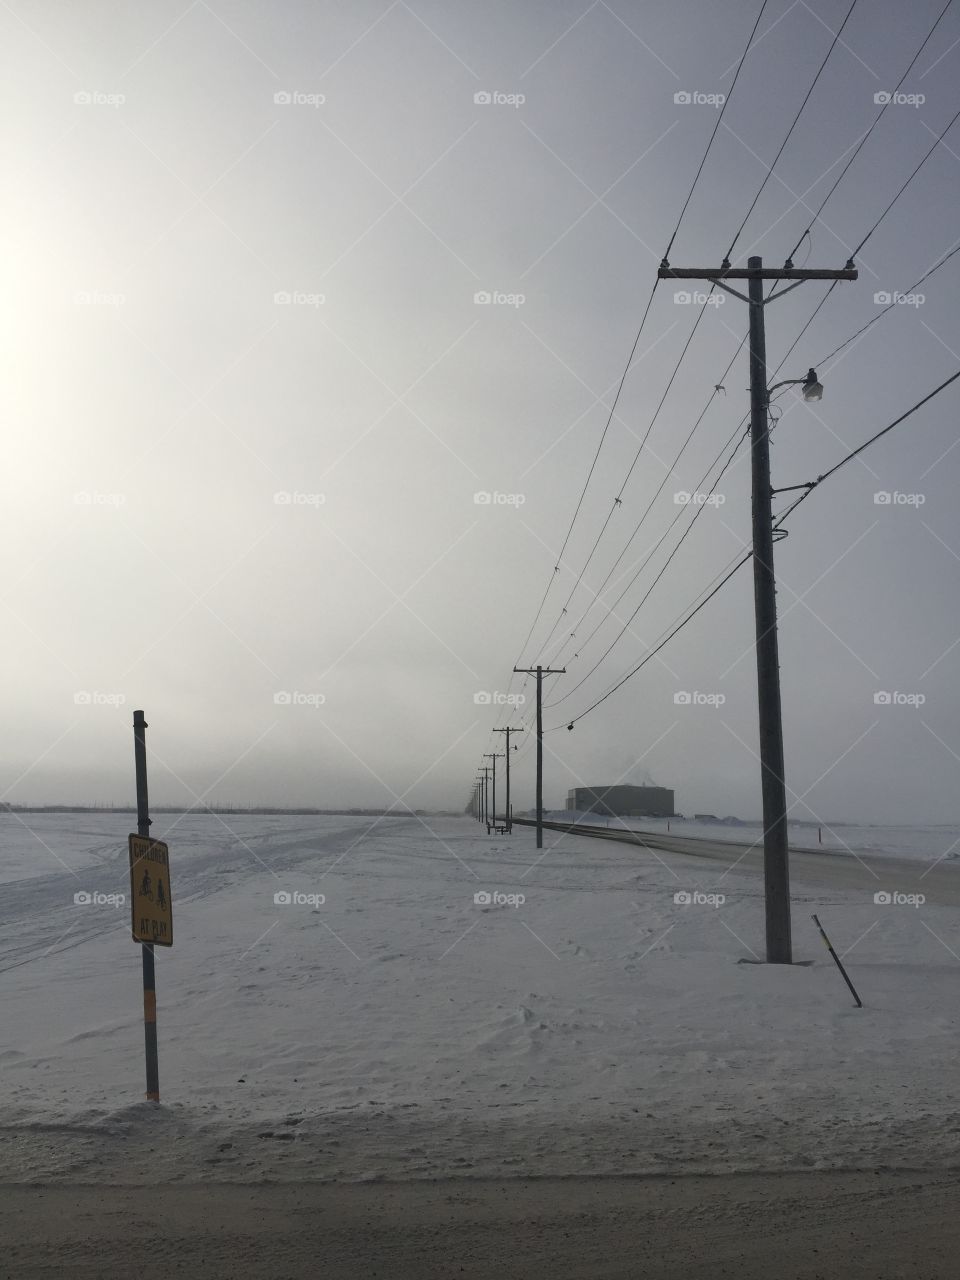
x,y
653,652
716,127
860,448
796,119
663,569
696,514
669,472
603,436
775,285
936,143
646,312
646,596
770,171
677,517
863,140
618,499
778,523
853,337
783,361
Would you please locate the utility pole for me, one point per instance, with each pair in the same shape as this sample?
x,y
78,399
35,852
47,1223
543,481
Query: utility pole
x,y
144,822
494,756
539,672
776,860
486,784
506,752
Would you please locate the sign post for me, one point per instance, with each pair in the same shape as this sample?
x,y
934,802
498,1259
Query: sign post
x,y
152,919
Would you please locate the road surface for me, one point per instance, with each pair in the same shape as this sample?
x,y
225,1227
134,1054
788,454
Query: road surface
x,y
938,881
858,1226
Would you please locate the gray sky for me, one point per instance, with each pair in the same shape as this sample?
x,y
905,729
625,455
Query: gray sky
x,y
327,649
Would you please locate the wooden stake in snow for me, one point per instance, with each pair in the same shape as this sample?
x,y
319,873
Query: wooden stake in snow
x,y
836,958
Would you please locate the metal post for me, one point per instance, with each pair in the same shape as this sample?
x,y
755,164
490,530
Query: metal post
x,y
149,971
776,868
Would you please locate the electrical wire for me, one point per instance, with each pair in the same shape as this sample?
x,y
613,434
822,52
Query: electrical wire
x,y
863,140
666,564
618,500
670,471
803,236
796,119
936,144
806,493
679,514
603,436
716,127
889,307
821,361
777,524
860,448
653,652
646,312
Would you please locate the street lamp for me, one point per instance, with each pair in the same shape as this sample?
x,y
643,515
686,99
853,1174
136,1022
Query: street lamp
x,y
811,385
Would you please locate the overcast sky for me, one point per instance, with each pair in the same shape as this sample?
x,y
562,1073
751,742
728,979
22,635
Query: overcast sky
x,y
251,397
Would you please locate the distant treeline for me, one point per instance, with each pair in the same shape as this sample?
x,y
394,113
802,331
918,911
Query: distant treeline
x,y
217,808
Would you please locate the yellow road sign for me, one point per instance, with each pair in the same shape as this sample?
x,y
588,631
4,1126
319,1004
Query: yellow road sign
x,y
150,891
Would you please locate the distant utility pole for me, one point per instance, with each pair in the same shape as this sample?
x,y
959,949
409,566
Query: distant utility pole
x,y
494,756
486,790
506,752
539,672
776,862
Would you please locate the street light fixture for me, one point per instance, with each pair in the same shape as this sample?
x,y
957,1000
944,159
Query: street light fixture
x,y
811,385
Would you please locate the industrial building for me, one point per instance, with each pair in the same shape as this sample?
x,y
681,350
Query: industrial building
x,y
622,801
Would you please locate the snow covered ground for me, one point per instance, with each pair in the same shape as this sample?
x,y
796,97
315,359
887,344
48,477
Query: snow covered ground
x,y
920,842
385,1022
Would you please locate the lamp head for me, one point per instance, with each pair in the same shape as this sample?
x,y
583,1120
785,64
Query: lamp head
x,y
812,387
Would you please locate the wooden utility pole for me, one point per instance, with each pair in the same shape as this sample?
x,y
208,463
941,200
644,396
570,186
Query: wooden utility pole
x,y
506,752
540,672
776,866
149,966
494,756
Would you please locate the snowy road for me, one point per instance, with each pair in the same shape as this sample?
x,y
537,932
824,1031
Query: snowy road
x,y
937,878
883,1226
589,1013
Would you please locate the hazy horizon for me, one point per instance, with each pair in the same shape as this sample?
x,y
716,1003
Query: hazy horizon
x,y
290,291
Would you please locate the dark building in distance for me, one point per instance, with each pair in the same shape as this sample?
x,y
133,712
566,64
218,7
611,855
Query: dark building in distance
x,y
622,801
